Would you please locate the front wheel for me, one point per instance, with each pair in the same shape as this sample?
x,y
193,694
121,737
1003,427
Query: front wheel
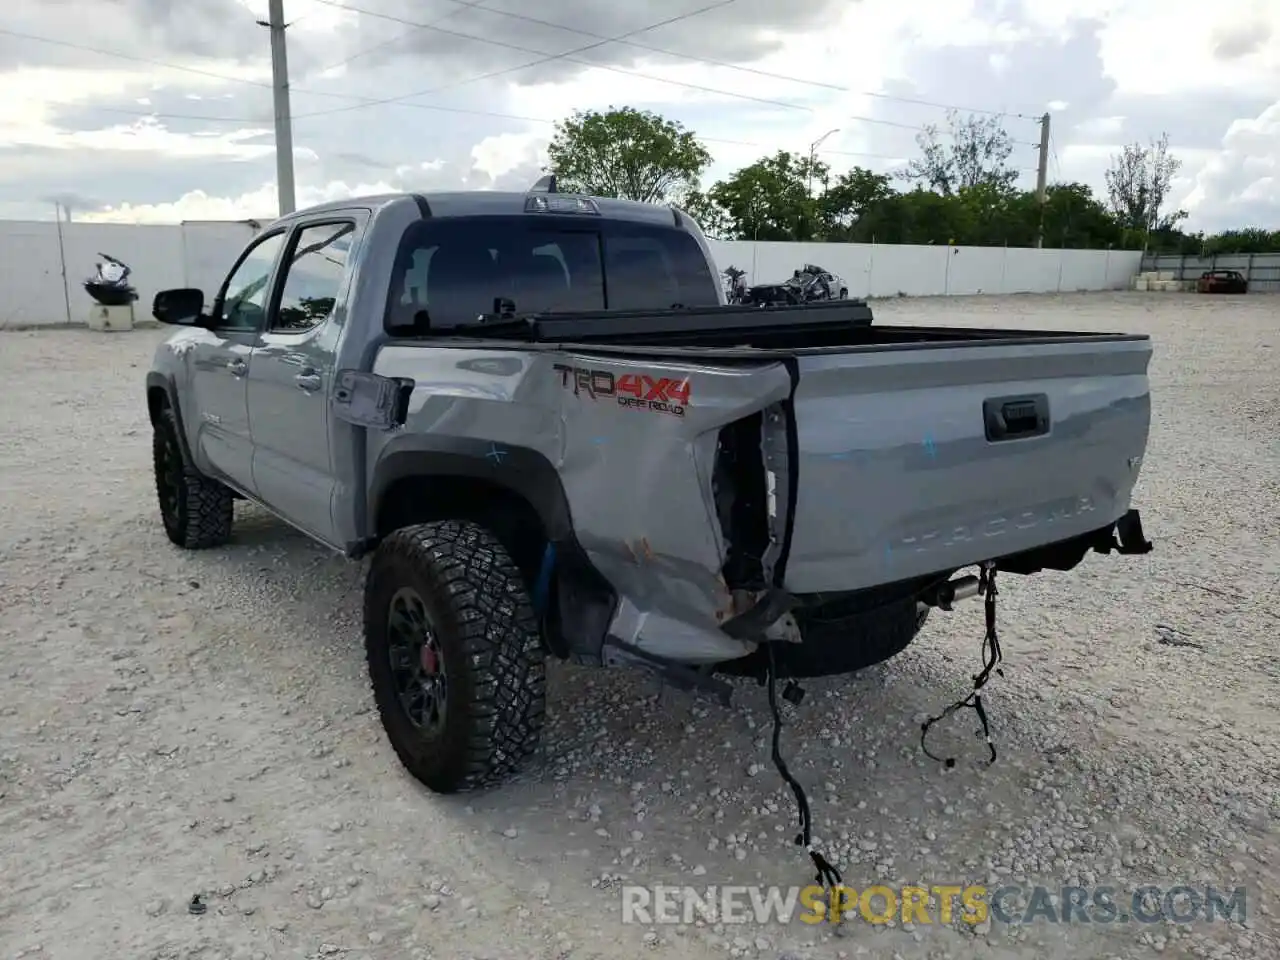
x,y
455,655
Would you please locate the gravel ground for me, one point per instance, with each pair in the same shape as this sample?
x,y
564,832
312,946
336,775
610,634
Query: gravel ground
x,y
177,723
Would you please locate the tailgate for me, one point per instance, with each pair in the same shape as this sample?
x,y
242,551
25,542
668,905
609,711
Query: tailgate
x,y
919,459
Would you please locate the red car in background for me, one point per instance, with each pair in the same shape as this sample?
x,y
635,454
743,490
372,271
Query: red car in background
x,y
1222,281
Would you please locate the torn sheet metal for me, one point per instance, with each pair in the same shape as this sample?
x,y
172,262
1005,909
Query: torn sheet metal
x,y
634,442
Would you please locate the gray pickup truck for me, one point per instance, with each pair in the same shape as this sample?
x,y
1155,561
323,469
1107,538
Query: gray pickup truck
x,y
538,416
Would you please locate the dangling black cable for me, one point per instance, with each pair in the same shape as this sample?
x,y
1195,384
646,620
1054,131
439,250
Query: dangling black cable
x,y
992,657
828,876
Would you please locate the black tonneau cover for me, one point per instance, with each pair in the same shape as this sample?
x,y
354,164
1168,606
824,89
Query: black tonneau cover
x,y
713,325
810,327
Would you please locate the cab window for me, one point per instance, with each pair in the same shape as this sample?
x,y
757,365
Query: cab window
x,y
244,301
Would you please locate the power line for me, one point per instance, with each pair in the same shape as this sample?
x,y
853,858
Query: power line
x,y
566,56
547,58
364,102
262,120
157,115
136,59
462,5
624,40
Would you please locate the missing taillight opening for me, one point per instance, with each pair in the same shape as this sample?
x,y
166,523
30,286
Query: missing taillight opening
x,y
742,498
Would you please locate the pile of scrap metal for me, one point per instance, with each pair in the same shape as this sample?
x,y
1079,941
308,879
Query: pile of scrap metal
x,y
808,284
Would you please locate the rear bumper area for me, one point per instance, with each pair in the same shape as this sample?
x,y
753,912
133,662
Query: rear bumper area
x,y
1124,536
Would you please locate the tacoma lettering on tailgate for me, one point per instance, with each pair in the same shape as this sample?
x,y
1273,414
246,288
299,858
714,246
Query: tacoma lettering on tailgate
x,y
637,391
996,525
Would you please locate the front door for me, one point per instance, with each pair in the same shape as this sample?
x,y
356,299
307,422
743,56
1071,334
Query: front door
x,y
291,377
220,362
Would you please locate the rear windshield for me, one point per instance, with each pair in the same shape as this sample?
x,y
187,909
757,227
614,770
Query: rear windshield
x,y
455,268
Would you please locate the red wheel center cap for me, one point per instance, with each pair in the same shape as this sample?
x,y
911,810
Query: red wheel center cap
x,y
429,661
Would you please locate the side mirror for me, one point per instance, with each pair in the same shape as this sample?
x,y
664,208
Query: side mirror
x,y
181,307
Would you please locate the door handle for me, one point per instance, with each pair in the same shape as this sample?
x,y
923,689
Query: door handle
x,y
237,367
309,382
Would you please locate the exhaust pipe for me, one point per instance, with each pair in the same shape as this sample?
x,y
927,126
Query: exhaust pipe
x,y
945,597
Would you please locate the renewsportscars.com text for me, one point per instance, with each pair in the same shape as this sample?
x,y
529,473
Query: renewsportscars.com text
x,y
973,904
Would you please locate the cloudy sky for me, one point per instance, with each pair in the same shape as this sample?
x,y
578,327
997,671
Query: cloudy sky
x,y
156,110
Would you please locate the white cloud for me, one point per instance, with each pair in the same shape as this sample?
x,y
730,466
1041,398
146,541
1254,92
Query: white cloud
x,y
1240,185
499,155
1167,46
260,204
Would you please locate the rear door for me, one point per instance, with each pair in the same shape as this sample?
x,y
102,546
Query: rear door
x,y
292,373
916,459
220,362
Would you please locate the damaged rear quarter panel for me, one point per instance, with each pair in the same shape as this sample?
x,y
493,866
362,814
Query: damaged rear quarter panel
x,y
636,473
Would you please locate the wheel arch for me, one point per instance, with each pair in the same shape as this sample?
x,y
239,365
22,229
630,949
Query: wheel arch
x,y
162,392
515,492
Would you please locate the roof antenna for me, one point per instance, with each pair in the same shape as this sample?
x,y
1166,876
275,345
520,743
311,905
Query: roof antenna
x,y
546,185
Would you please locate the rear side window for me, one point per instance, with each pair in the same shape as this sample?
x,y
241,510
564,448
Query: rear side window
x,y
653,269
457,268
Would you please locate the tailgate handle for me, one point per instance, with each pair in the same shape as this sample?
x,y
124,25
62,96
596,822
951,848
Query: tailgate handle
x,y
1012,418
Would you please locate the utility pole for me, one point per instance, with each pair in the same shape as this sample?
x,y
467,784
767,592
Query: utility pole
x,y
280,92
1042,175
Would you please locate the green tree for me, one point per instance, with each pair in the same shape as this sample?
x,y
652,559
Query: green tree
x,y
976,154
1074,218
626,153
1138,183
711,217
769,200
849,198
919,216
1248,240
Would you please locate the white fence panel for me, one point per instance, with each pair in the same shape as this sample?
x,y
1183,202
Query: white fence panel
x,y
31,287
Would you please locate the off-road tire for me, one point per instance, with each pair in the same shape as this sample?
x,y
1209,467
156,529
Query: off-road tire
x,y
199,513
490,644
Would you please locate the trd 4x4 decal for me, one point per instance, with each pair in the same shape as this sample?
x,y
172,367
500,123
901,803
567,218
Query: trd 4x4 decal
x,y
638,391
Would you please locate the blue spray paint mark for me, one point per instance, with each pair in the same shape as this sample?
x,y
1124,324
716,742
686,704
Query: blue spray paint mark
x,y
888,555
599,441
930,448
543,585
495,454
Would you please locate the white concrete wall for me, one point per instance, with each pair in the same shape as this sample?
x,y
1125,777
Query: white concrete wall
x,y
36,289
887,270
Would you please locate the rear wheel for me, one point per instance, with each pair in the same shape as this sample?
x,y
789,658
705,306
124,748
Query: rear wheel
x,y
197,511
455,655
